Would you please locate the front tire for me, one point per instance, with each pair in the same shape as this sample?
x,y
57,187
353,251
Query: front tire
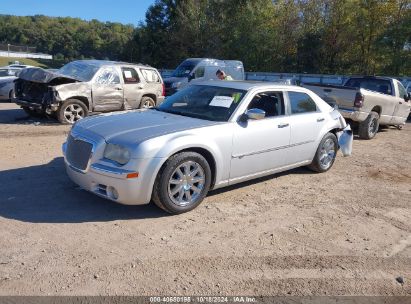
x,y
326,152
12,95
182,183
71,111
369,127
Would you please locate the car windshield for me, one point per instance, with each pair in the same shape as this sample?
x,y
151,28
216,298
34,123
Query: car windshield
x,y
185,68
78,70
204,102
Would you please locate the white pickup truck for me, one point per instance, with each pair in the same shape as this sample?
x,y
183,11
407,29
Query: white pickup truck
x,y
368,102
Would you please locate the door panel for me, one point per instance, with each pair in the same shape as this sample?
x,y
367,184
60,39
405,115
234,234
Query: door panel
x,y
304,132
133,88
306,123
259,145
107,90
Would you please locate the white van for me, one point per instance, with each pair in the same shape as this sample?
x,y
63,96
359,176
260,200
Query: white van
x,y
193,70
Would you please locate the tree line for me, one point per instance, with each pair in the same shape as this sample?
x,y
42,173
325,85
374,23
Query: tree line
x,y
303,36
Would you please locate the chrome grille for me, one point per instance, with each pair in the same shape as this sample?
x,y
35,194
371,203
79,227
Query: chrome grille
x,y
78,152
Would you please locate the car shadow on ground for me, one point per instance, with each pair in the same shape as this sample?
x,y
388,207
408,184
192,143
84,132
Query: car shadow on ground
x,y
18,116
45,194
300,170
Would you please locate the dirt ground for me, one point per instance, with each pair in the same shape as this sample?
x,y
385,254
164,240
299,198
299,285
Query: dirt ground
x,y
345,232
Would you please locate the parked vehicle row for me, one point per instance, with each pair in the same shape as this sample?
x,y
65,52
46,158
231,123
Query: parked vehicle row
x,y
368,102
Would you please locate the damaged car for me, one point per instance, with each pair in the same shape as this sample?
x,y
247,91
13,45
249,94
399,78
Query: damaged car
x,y
206,136
87,86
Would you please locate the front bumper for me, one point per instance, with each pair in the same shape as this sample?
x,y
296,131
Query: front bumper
x,y
31,105
110,182
353,114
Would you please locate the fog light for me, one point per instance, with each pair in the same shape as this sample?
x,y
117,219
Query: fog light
x,y
112,193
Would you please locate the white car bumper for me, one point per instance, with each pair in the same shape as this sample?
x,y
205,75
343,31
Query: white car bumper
x,y
353,114
111,182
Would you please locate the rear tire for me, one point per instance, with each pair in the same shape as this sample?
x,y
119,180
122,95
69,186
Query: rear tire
x,y
147,102
71,111
182,183
369,127
326,152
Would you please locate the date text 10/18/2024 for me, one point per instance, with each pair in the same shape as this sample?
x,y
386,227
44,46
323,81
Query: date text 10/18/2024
x,y
203,299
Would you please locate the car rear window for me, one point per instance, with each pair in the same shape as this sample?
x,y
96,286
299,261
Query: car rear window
x,y
301,103
377,85
150,75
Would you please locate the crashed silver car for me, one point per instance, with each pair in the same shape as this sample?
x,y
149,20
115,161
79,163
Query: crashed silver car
x,y
85,86
206,136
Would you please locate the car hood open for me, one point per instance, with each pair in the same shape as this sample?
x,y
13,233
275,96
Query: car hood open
x,y
43,76
138,126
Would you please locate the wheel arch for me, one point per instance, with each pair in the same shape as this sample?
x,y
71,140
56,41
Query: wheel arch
x,y
83,99
377,109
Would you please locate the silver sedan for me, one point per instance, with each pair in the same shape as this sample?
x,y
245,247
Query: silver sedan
x,y
206,136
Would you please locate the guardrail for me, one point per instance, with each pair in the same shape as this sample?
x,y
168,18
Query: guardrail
x,y
306,78
25,55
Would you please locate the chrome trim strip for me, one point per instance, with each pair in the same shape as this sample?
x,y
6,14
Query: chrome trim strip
x,y
273,149
110,171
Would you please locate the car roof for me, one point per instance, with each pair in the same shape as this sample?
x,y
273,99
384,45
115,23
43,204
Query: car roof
x,y
246,85
100,63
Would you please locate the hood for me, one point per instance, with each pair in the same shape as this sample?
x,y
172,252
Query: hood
x,y
43,76
137,126
174,79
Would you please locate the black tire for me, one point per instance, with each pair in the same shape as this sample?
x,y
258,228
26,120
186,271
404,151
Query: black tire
x,y
71,110
369,127
34,113
325,155
11,96
147,102
163,187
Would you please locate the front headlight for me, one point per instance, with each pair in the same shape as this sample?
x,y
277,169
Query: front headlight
x,y
117,153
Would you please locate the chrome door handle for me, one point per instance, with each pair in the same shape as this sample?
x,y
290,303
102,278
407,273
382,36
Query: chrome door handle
x,y
118,89
320,119
284,125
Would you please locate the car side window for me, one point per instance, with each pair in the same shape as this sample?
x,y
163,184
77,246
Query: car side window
x,y
108,76
150,75
199,72
130,75
301,103
401,90
272,103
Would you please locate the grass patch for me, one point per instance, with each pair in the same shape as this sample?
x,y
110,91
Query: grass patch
x,y
42,63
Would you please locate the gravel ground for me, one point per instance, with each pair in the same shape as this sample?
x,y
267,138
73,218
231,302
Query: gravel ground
x,y
345,232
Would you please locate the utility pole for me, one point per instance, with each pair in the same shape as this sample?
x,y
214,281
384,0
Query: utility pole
x,y
8,49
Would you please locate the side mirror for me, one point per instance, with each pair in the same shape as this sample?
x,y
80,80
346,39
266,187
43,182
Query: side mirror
x,y
255,114
191,77
407,97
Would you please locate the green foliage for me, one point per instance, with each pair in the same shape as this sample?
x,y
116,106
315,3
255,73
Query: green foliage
x,y
312,36
69,38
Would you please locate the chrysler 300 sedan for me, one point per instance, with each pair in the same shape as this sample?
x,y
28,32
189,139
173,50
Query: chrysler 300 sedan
x,y
206,136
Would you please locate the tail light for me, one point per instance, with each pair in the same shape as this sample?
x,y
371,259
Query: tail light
x,y
359,100
164,90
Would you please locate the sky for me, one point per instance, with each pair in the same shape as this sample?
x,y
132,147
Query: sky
x,y
123,11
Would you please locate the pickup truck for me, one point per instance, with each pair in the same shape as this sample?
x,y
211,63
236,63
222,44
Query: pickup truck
x,y
368,102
